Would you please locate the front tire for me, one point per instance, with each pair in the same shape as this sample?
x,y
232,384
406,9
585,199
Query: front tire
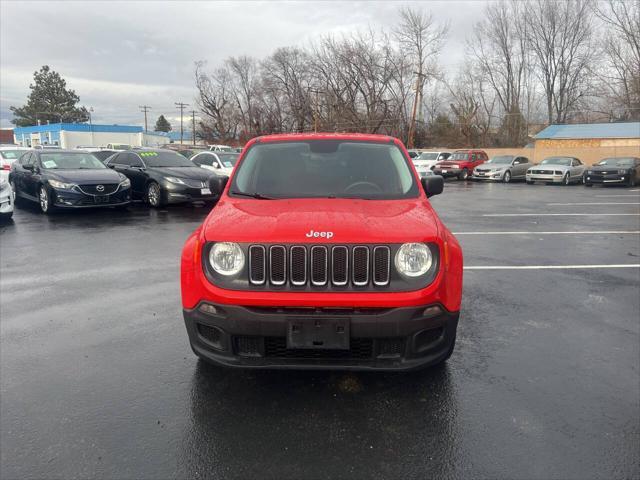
x,y
507,177
632,180
154,195
529,182
44,200
566,180
464,174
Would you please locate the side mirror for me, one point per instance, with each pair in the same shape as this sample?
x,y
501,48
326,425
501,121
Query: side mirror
x,y
111,165
217,183
433,185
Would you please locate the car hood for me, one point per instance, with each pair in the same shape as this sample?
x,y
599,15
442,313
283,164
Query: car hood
x,y
86,176
194,172
485,166
349,220
607,168
549,166
449,163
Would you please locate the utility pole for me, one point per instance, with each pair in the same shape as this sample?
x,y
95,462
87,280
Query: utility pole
x,y
145,109
181,106
416,99
193,126
316,109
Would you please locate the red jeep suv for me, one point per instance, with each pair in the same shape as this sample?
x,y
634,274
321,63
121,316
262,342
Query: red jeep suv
x,y
460,164
323,252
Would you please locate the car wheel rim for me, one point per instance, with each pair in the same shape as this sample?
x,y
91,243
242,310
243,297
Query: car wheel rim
x,y
44,199
566,180
507,177
154,195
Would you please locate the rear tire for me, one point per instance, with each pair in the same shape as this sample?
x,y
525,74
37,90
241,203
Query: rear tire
x,y
5,217
529,182
16,199
632,180
588,184
507,177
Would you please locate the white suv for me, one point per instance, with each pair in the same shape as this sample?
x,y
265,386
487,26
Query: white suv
x,y
427,160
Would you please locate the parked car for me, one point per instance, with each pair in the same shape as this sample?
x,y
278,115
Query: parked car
x,y
565,170
460,164
47,147
219,162
413,153
160,177
238,149
220,148
120,147
6,197
323,252
426,161
103,154
67,179
615,170
503,168
10,154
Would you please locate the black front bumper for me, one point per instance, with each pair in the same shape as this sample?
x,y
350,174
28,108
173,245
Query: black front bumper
x,y
380,339
75,199
609,178
449,173
186,194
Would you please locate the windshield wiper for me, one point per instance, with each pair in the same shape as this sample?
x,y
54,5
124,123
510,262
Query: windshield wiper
x,y
252,195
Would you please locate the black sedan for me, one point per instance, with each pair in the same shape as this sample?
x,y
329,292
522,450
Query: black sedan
x,y
616,170
67,179
161,176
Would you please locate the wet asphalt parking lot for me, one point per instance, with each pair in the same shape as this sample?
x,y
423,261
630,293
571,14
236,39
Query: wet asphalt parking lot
x,y
98,380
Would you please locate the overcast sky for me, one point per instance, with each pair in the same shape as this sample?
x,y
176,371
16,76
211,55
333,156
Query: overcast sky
x,y
118,55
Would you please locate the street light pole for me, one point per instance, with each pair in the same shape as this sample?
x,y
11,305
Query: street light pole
x,y
91,125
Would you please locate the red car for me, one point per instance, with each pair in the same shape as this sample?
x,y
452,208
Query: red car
x,y
461,163
323,252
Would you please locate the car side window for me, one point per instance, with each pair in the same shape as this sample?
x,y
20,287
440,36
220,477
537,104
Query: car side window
x,y
135,161
197,160
473,157
575,162
119,159
25,159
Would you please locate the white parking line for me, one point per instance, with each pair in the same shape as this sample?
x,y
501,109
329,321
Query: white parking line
x,y
620,195
549,267
559,214
596,203
583,232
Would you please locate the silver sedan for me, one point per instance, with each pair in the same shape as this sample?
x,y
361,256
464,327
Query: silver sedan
x,y
502,168
565,170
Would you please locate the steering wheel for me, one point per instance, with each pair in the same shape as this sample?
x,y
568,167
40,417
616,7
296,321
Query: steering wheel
x,y
356,185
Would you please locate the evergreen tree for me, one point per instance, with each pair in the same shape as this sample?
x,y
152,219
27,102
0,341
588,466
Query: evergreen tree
x,y
49,101
162,124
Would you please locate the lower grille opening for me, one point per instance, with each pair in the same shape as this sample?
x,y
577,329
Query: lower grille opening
x,y
248,346
390,347
276,347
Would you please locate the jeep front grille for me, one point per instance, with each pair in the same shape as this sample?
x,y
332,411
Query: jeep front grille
x,y
319,265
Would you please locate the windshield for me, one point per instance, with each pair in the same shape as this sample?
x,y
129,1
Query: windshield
x,y
70,161
11,154
501,160
617,162
103,154
325,168
428,156
557,161
459,156
228,159
165,159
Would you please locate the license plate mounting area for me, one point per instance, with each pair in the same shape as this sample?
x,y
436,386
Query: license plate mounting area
x,y
318,333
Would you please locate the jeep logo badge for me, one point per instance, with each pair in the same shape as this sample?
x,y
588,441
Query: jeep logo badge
x,y
312,234
100,188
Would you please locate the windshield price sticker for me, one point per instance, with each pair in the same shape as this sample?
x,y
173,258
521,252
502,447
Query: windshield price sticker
x,y
49,164
148,154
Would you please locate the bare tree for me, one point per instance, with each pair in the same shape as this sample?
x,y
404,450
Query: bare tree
x,y
215,102
621,43
419,35
499,46
560,36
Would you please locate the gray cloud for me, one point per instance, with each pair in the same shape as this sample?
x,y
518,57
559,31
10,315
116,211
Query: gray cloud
x,y
118,55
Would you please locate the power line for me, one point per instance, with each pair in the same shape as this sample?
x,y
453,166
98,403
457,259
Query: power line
x,y
181,106
145,109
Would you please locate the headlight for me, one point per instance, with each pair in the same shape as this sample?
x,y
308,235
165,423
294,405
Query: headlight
x,y
126,183
62,185
226,258
175,180
413,259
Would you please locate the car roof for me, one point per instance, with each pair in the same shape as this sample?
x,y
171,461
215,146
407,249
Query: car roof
x,y
323,136
57,150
